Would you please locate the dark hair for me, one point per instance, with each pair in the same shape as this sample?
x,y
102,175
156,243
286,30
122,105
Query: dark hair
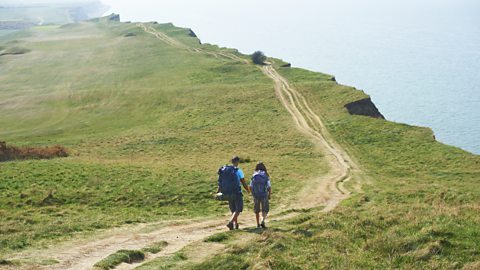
x,y
261,167
235,159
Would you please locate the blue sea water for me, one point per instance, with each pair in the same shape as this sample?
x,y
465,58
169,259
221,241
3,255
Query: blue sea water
x,y
419,60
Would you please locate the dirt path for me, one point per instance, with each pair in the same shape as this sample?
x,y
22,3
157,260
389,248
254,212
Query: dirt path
x,y
326,190
174,43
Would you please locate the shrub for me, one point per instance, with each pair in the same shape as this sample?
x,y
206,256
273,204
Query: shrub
x,y
259,58
16,153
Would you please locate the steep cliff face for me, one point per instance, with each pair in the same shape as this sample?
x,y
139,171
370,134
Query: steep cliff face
x,y
364,107
114,17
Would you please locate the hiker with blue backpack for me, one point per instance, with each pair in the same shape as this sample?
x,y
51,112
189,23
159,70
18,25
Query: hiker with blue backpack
x,y
229,179
261,189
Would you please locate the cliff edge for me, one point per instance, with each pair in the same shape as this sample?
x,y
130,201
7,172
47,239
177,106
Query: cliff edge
x,y
364,107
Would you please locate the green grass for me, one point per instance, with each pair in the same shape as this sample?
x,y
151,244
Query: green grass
x,y
5,262
121,256
176,261
129,256
14,51
219,237
418,208
148,126
155,247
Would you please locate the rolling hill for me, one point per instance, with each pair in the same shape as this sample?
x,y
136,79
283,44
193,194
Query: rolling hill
x,y
149,114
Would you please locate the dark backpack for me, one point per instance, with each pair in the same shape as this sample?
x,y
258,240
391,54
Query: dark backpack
x,y
259,184
228,180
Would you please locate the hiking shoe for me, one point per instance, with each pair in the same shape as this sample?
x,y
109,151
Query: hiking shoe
x,y
230,226
258,225
237,226
263,224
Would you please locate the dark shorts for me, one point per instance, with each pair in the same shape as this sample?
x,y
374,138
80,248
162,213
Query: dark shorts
x,y
261,205
235,203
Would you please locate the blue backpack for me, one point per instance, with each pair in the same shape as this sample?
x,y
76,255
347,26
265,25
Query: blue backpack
x,y
259,184
228,180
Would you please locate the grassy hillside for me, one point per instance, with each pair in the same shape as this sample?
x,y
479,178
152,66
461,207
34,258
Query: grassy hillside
x,y
147,125
419,208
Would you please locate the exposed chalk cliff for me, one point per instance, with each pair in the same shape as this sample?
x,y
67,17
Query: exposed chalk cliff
x,y
364,107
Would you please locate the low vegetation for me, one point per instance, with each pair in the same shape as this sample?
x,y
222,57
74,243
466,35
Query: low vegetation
x,y
176,261
121,256
147,132
155,247
14,51
418,208
219,237
258,58
8,153
5,262
129,256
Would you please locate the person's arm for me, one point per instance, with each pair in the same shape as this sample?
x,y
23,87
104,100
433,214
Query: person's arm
x,y
218,189
241,176
269,188
244,184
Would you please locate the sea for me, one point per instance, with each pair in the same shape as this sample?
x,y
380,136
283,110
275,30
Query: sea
x,y
418,60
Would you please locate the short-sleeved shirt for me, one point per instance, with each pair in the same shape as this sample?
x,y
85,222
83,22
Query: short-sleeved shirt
x,y
240,176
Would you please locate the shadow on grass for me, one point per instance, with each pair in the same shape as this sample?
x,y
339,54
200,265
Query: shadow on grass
x,y
260,231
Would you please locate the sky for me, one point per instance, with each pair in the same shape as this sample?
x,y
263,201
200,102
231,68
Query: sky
x,y
35,2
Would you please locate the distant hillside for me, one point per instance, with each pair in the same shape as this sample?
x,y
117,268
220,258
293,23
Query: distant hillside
x,y
17,15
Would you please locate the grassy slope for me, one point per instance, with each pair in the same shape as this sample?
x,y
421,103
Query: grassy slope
x,y
147,124
137,127
419,208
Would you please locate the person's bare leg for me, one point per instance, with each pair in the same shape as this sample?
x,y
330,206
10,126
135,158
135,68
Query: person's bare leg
x,y
257,216
264,216
234,219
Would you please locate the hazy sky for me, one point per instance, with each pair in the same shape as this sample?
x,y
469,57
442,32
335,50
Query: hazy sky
x,y
29,2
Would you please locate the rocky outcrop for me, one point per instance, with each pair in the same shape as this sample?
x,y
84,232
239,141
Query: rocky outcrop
x,y
191,33
364,107
114,17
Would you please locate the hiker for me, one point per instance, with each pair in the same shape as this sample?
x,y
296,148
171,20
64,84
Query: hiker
x,y
261,189
229,179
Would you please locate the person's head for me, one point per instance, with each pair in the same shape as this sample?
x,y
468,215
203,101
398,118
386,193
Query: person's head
x,y
235,160
260,167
